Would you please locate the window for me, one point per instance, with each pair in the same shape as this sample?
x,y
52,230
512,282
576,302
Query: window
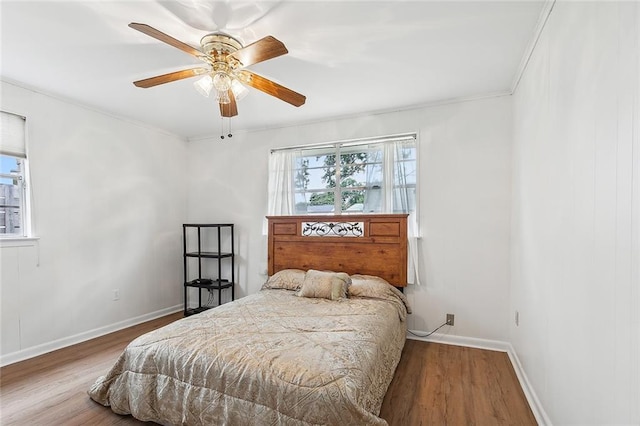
x,y
322,186
13,177
356,177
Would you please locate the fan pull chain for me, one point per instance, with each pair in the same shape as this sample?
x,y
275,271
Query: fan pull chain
x,y
222,128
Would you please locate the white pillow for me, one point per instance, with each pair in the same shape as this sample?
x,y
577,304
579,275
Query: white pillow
x,y
288,279
325,285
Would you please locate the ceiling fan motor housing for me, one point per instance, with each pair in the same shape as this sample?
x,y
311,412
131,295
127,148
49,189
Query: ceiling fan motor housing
x,y
219,46
219,43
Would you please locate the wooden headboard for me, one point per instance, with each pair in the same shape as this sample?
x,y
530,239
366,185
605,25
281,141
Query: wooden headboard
x,y
355,244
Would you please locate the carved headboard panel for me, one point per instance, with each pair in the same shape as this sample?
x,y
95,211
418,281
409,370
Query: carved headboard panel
x,y
355,244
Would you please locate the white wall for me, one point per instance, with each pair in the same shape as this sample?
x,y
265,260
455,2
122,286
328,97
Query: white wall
x,y
576,215
108,203
465,154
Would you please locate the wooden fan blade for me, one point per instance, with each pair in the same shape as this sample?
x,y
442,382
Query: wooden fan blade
x,y
168,78
271,88
230,109
159,35
261,50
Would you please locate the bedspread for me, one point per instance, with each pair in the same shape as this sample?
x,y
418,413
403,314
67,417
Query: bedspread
x,y
269,358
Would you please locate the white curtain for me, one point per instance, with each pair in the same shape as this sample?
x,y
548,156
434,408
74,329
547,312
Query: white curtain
x,y
281,169
394,193
374,196
280,185
399,198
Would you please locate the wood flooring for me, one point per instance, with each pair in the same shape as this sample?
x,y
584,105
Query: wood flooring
x,y
434,384
437,384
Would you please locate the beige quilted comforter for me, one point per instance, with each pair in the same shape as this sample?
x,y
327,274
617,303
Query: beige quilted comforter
x,y
271,358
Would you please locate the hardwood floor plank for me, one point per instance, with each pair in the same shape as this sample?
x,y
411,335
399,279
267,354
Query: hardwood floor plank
x,y
438,384
434,384
52,388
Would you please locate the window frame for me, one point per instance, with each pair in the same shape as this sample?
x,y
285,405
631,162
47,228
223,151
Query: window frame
x,y
24,185
341,147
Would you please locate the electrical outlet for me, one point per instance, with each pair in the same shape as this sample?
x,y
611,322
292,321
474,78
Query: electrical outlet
x,y
116,294
517,318
450,319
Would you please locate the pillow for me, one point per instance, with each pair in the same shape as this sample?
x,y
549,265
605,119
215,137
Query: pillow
x,y
325,285
373,287
288,279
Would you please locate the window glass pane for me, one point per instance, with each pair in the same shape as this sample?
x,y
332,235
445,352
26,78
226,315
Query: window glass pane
x,y
353,163
407,152
300,203
405,173
314,202
362,179
9,165
404,200
355,208
317,178
373,199
301,174
355,179
352,199
321,202
10,195
359,168
315,171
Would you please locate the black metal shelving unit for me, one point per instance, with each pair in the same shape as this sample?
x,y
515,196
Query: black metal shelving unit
x,y
214,283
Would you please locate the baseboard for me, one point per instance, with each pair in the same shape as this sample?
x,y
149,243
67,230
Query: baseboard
x,y
495,345
471,342
538,410
44,348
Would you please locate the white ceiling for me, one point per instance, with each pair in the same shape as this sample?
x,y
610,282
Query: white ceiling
x,y
346,57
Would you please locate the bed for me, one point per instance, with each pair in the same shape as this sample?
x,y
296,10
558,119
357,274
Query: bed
x,y
312,347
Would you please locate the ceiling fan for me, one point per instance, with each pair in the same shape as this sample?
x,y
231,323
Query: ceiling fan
x,y
226,59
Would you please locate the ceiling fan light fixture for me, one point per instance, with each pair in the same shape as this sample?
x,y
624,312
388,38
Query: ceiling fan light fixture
x,y
221,81
204,85
222,97
238,89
